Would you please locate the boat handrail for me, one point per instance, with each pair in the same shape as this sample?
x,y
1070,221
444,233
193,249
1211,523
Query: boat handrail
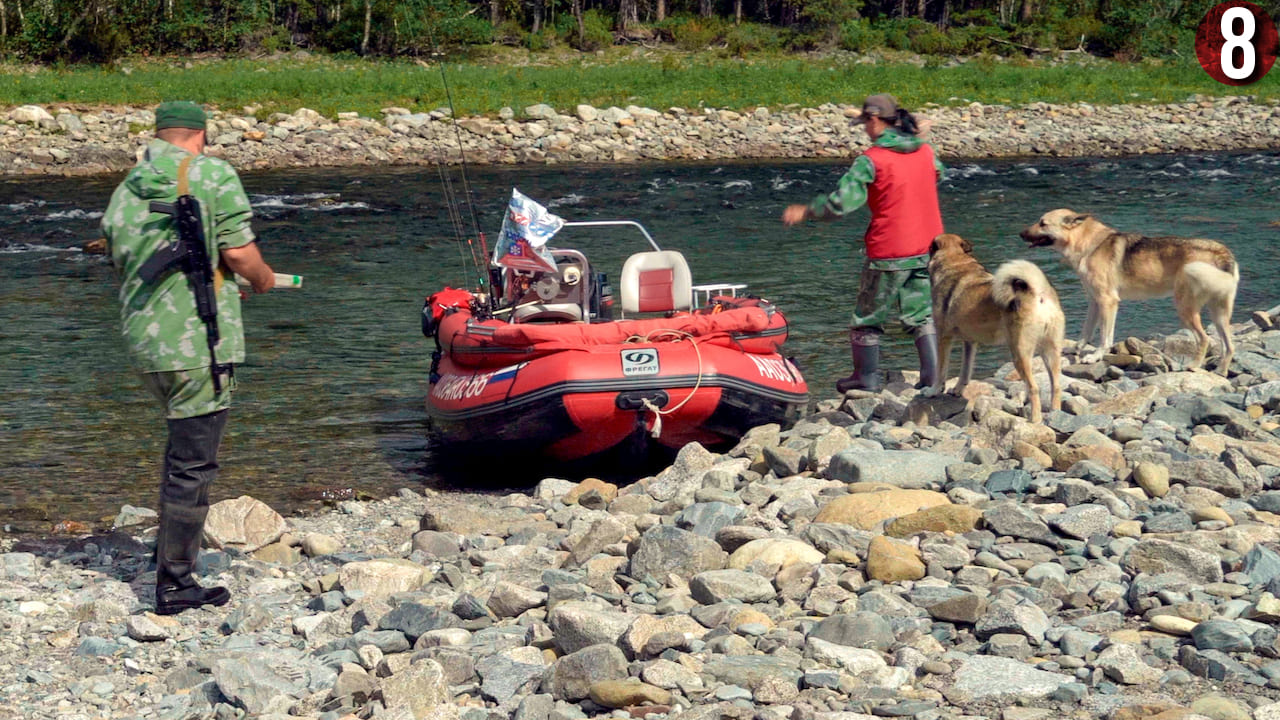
x,y
609,223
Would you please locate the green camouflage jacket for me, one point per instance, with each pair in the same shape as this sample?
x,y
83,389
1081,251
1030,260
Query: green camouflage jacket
x,y
160,325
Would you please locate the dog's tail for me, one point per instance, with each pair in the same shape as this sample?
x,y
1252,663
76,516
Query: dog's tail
x,y
1019,281
1211,281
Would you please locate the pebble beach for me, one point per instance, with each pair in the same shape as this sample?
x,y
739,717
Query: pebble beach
x,y
64,140
888,556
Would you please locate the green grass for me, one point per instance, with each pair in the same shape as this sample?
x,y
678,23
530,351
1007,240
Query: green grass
x,y
332,85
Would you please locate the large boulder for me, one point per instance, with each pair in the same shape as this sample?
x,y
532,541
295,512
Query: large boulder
x,y
244,523
866,510
664,550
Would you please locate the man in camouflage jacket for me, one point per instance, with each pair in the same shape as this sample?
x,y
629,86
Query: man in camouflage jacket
x,y
165,337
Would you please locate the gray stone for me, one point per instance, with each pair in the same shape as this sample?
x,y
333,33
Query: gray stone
x,y
269,681
17,565
511,600
1224,635
750,670
579,625
1169,522
388,641
98,647
901,468
1004,617
716,586
1262,564
1010,518
130,516
1156,556
414,620
965,609
784,461
860,630
1123,663
1008,481
992,678
708,519
248,617
1207,474
1267,395
420,688
1082,521
1078,643
664,550
573,674
1008,645
510,672
1217,665
535,707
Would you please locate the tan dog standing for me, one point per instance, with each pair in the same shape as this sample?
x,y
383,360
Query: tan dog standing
x,y
1016,307
1115,266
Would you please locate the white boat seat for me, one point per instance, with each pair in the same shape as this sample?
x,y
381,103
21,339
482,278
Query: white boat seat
x,y
548,312
656,282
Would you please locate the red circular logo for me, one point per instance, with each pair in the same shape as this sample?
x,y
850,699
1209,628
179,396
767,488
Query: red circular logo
x,y
1236,43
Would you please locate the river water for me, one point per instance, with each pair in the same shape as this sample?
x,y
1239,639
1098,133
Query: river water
x,y
331,396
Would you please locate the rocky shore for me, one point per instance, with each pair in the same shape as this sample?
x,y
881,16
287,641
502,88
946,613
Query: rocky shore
x,y
889,556
57,140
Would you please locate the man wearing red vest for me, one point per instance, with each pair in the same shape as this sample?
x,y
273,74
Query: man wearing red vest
x,y
897,179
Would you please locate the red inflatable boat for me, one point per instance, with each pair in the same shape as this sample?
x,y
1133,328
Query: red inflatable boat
x,y
545,369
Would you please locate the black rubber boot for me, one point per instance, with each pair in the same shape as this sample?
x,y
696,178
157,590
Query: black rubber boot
x,y
864,346
177,547
190,466
927,349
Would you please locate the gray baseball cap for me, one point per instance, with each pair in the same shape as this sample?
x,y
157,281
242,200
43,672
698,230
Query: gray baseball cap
x,y
884,107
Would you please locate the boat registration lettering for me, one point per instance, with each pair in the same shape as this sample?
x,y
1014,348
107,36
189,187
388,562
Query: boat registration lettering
x,y
639,362
771,368
461,387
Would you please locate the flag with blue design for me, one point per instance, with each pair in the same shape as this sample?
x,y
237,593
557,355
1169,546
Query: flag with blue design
x,y
526,228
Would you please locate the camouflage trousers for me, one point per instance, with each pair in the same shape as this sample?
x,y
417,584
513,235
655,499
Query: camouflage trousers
x,y
897,289
189,393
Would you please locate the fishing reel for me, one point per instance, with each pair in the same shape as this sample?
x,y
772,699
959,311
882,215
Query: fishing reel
x,y
548,284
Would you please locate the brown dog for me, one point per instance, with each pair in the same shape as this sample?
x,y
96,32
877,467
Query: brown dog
x,y
1016,307
1115,266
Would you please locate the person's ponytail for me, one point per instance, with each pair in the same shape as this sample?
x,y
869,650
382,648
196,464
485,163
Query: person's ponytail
x,y
906,122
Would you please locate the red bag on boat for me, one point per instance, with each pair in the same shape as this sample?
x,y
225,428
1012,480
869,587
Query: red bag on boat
x,y
446,299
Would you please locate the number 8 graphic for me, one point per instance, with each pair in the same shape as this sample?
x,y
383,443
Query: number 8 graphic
x,y
1236,42
1241,42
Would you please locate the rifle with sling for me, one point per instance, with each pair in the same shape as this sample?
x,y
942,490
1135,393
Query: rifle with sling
x,y
190,255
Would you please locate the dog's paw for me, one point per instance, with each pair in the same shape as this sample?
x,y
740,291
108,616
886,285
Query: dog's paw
x,y
1091,357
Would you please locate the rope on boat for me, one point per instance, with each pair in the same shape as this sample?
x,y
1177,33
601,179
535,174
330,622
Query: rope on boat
x,y
669,335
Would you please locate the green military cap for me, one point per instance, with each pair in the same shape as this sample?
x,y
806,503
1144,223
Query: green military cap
x,y
180,114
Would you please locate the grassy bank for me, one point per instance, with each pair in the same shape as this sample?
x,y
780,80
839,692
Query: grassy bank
x,y
623,77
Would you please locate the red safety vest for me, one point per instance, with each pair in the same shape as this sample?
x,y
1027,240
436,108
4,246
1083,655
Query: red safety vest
x,y
904,203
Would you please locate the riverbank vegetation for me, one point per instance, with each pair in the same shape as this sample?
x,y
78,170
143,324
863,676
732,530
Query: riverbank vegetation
x,y
516,78
105,30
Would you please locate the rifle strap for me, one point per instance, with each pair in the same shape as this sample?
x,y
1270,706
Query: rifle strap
x,y
184,188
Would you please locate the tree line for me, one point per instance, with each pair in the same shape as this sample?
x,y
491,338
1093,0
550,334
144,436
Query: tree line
x,y
105,30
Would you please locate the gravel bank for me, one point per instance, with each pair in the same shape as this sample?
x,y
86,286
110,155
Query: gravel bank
x,y
53,140
889,556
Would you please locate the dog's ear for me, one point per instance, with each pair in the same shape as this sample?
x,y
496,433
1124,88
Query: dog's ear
x,y
1074,221
966,246
933,246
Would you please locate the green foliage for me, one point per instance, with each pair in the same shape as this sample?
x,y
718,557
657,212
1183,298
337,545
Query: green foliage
x,y
859,36
596,32
753,37
104,30
829,13
692,33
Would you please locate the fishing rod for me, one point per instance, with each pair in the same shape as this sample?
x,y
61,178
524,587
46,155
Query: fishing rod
x,y
479,256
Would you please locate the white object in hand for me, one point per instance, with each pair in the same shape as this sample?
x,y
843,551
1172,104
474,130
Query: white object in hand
x,y
282,281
